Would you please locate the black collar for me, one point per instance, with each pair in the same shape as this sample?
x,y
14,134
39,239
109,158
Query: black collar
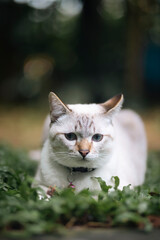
x,y
82,169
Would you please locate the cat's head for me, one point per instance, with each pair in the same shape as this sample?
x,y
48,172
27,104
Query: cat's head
x,y
82,135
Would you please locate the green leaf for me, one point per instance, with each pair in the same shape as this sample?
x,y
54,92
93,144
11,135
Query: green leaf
x,y
103,185
116,182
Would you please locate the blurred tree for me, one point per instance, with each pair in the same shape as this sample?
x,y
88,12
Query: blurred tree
x,y
139,15
100,49
90,41
10,57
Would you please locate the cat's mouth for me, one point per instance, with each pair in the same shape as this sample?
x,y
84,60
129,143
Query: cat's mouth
x,y
77,162
82,169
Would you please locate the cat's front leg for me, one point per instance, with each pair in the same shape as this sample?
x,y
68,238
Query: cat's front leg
x,y
45,192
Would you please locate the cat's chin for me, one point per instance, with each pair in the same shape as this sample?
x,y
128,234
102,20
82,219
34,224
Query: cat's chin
x,y
81,163
84,163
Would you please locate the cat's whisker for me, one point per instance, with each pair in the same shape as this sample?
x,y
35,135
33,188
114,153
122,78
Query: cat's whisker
x,y
65,155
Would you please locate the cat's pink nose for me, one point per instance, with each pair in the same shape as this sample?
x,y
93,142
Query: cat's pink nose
x,y
84,152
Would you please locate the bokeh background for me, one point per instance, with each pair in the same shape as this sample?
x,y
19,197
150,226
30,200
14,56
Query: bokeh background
x,y
83,50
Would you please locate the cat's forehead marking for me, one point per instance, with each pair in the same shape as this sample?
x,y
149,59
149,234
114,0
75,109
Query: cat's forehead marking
x,y
84,124
78,125
91,125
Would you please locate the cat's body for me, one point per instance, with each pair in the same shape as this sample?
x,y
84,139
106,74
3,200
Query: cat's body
x,y
92,140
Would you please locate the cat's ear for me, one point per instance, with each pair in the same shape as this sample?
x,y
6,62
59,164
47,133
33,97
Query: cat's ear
x,y
57,107
113,105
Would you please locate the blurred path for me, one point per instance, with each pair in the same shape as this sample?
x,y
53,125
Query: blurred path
x,y
102,234
22,127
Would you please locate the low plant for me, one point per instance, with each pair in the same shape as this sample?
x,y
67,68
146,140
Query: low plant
x,y
23,213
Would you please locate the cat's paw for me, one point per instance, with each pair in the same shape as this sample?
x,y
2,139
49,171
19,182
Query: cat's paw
x,y
51,190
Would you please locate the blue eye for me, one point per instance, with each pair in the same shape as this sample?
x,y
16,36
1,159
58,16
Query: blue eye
x,y
70,136
97,137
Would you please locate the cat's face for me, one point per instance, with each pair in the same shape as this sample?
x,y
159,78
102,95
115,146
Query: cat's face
x,y
82,136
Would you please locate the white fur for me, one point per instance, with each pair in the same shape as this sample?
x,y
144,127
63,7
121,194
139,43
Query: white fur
x,y
122,153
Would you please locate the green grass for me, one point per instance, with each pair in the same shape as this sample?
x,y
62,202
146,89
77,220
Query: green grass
x,y
22,213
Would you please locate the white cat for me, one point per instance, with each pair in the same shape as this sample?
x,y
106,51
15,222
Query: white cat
x,y
92,140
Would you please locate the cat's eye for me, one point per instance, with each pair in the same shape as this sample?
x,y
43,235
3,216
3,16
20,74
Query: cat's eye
x,y
97,137
70,136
